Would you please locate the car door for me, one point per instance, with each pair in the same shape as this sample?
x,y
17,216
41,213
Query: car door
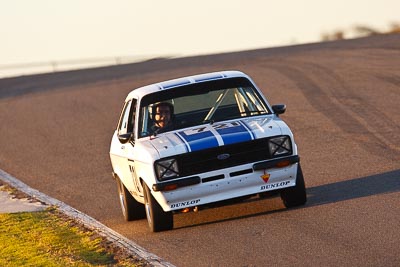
x,y
122,152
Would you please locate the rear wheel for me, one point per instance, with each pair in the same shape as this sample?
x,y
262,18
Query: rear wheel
x,y
157,218
296,195
131,209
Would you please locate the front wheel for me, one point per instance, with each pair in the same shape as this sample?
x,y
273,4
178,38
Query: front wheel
x,y
157,218
131,209
296,195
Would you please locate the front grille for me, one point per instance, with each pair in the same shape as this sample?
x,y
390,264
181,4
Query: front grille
x,y
206,160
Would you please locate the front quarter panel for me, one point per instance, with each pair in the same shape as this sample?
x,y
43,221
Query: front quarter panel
x,y
144,155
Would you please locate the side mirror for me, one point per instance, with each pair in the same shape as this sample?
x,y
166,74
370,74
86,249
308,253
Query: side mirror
x,y
279,109
125,138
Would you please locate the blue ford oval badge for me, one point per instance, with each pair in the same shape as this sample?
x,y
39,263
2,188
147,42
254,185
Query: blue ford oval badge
x,y
223,156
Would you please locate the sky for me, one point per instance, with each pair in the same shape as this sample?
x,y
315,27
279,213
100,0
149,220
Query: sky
x,y
61,30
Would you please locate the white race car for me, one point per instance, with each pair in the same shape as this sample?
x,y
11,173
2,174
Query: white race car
x,y
223,142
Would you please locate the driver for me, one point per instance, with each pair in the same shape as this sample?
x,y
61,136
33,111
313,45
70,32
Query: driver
x,y
162,113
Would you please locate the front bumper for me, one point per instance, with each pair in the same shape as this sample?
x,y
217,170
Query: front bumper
x,y
227,183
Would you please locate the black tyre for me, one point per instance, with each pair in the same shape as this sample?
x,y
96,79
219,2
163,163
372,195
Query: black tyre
x,y
131,209
158,219
296,195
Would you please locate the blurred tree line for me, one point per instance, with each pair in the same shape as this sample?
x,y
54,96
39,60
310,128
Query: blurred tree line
x,y
359,31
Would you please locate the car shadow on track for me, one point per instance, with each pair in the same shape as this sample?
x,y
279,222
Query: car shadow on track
x,y
384,183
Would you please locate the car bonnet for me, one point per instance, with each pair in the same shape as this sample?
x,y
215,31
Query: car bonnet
x,y
217,134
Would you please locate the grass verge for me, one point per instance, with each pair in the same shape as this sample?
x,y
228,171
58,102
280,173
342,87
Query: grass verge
x,y
49,238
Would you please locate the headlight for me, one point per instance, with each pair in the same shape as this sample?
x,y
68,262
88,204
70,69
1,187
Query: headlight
x,y
280,146
166,169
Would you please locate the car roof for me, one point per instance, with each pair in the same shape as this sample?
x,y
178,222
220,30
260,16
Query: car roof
x,y
165,85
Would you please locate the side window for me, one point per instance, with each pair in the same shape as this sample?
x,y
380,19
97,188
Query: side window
x,y
127,119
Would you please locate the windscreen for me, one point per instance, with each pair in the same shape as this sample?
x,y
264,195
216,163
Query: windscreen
x,y
198,104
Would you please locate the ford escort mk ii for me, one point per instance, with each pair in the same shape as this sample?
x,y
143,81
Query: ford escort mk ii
x,y
201,141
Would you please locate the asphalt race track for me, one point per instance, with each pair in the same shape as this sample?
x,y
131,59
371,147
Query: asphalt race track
x,y
342,104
